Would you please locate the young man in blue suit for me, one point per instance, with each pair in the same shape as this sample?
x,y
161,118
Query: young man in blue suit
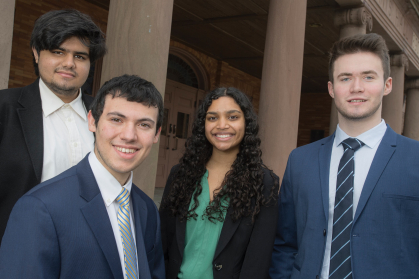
x,y
91,221
349,203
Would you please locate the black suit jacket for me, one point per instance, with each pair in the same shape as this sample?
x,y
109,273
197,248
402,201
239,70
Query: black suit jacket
x,y
244,249
21,144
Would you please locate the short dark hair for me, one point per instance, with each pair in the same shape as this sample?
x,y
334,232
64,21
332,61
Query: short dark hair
x,y
134,89
53,28
372,42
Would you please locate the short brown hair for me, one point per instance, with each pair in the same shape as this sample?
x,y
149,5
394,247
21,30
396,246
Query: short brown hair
x,y
360,43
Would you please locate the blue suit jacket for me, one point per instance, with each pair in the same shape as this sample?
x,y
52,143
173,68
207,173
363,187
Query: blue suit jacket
x,y
61,229
385,231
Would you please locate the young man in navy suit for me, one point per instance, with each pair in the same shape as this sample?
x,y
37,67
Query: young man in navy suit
x,y
349,203
91,221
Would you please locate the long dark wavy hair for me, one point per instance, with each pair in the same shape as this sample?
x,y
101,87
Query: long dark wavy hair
x,y
243,182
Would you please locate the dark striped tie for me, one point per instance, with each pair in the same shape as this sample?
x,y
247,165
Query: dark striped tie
x,y
340,255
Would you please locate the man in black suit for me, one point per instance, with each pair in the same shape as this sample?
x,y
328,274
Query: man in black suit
x,y
43,126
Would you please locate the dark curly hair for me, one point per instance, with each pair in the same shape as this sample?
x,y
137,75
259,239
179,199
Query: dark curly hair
x,y
243,182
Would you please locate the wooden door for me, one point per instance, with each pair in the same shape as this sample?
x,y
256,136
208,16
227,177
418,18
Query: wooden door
x,y
179,114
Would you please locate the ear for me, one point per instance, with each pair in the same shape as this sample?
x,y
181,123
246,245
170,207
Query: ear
x,y
35,54
330,88
388,86
91,122
156,137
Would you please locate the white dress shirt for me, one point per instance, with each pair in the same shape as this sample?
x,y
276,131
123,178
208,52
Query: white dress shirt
x,y
363,159
110,188
67,138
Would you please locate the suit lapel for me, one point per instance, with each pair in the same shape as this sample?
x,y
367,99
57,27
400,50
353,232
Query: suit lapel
x,y
227,232
382,157
31,120
140,220
325,153
94,211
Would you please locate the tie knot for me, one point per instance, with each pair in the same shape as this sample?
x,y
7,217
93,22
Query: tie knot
x,y
123,197
352,143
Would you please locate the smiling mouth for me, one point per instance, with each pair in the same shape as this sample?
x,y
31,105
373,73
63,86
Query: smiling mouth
x,y
126,150
357,101
223,136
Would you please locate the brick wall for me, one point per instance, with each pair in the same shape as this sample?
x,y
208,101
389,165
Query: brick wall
x,y
27,11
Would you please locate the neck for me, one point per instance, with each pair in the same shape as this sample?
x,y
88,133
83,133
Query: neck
x,y
354,128
67,98
220,159
122,178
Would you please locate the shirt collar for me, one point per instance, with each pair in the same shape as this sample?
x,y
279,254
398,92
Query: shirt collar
x,y
108,185
371,137
51,102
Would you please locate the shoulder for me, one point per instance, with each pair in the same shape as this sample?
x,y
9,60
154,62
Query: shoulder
x,y
311,150
57,186
270,180
10,96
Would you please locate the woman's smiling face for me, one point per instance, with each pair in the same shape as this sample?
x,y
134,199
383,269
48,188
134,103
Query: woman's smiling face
x,y
225,124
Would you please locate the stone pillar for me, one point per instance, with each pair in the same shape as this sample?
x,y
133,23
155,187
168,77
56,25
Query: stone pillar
x,y
351,22
279,103
393,103
138,38
411,118
7,16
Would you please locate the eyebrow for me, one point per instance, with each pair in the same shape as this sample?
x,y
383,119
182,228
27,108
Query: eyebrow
x,y
139,120
363,73
230,111
77,52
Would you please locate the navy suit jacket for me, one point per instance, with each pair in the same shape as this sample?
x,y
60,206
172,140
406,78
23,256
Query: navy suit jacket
x,y
61,229
385,230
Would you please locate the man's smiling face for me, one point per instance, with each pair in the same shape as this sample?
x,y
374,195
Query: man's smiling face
x,y
358,86
125,133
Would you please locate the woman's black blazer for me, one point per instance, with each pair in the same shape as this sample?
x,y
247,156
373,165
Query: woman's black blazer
x,y
244,249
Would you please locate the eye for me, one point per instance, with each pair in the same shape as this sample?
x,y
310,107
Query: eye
x,y
145,125
116,120
345,79
234,117
211,118
57,52
369,77
80,57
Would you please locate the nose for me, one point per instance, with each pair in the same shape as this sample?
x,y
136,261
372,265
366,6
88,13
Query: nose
x,y
68,61
128,133
357,85
223,123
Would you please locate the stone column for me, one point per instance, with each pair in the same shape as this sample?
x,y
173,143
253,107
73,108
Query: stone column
x,y
279,103
7,16
138,38
393,103
411,118
351,22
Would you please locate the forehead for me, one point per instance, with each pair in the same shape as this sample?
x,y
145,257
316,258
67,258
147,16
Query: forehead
x,y
131,110
74,44
357,63
224,103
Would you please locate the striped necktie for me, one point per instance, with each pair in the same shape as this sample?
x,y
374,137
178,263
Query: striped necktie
x,y
130,256
340,256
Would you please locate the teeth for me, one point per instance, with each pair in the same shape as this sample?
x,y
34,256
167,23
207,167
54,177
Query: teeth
x,y
125,150
223,136
357,101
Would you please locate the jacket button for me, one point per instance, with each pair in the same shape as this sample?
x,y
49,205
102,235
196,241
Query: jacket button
x,y
324,232
218,266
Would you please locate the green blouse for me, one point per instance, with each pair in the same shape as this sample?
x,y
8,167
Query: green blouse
x,y
201,239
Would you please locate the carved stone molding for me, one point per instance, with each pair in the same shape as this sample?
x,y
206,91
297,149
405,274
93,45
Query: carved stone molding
x,y
355,16
399,60
412,84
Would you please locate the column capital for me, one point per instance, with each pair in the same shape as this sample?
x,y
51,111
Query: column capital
x,y
412,83
354,16
399,60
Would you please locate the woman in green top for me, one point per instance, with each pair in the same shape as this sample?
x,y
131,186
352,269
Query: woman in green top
x,y
219,210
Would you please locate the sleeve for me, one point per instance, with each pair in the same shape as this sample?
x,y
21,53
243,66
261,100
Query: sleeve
x,y
259,250
29,247
168,222
285,246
